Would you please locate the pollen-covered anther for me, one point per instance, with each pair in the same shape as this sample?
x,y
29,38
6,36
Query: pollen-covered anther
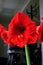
x,y
19,36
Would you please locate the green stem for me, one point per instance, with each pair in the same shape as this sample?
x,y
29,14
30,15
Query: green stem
x,y
27,55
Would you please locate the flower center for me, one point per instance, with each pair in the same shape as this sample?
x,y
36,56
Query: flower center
x,y
21,29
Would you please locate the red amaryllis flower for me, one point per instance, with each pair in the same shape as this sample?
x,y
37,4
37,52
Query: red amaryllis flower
x,y
21,29
4,36
40,32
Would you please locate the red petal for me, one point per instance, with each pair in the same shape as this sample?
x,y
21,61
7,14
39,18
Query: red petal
x,y
32,33
5,38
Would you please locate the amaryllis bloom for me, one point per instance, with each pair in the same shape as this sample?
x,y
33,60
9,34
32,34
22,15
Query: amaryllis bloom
x,y
4,36
21,29
40,32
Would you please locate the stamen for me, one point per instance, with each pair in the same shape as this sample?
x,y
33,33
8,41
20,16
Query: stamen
x,y
20,36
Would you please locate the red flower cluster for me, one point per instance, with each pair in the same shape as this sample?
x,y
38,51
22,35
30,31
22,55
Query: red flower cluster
x,y
40,32
21,30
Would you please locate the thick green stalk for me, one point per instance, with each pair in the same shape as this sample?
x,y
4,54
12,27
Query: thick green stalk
x,y
27,55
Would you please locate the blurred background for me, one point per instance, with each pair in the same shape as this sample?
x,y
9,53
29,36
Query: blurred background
x,y
8,8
